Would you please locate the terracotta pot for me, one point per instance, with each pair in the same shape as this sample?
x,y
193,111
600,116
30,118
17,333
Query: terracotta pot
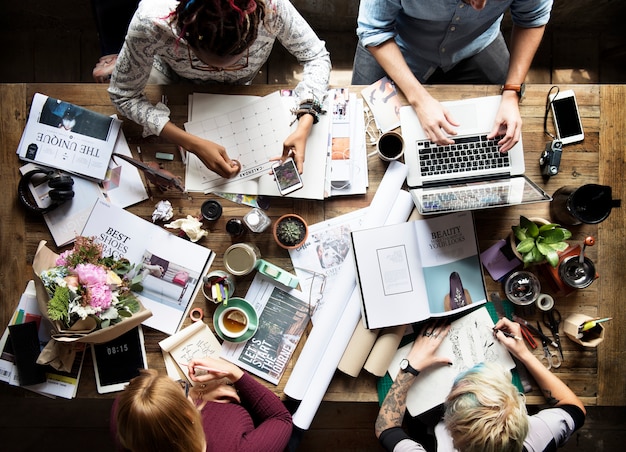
x,y
513,240
304,233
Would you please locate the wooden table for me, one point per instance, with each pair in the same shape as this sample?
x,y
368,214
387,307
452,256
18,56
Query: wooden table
x,y
596,375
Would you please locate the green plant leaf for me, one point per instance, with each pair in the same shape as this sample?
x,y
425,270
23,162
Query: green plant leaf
x,y
553,258
519,233
553,236
531,228
547,227
525,245
544,249
559,246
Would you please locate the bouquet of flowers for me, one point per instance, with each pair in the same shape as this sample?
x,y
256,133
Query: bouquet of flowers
x,y
89,291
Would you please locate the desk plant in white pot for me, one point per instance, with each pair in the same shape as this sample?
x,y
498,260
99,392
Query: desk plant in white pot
x,y
537,240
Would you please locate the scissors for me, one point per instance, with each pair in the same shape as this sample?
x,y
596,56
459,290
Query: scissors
x,y
552,320
549,359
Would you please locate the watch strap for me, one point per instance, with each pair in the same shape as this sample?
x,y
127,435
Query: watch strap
x,y
519,89
406,367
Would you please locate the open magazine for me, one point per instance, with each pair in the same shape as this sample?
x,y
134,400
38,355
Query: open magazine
x,y
122,186
413,271
68,137
283,317
172,267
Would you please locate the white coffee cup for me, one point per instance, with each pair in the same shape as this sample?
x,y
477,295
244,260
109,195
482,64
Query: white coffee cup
x,y
233,322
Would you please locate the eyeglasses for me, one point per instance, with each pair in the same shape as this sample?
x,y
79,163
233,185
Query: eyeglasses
x,y
209,68
184,385
316,288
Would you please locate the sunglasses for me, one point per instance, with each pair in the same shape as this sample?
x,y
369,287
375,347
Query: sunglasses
x,y
209,68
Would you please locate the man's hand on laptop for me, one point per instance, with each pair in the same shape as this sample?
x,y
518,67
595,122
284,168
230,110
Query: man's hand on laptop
x,y
437,122
508,123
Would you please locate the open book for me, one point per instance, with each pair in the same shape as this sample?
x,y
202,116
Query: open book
x,y
65,136
195,341
410,272
469,342
171,266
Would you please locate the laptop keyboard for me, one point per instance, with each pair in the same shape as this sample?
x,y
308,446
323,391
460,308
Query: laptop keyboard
x,y
467,154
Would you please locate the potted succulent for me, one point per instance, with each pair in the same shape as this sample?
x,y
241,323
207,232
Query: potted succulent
x,y
290,231
536,241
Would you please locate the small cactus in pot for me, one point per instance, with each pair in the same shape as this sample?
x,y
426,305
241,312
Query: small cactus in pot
x,y
290,231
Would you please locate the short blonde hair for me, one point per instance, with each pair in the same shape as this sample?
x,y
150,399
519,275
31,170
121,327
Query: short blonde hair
x,y
154,414
485,412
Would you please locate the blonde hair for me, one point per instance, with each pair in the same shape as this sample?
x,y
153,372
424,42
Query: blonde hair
x,y
485,412
154,414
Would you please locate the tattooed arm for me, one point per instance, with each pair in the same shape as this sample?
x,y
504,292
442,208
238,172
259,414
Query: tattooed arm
x,y
554,390
420,357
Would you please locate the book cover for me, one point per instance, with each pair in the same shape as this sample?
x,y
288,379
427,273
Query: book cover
x,y
412,271
58,383
195,341
171,266
122,186
283,317
382,98
469,342
65,136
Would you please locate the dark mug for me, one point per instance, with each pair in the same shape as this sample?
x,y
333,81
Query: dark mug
x,y
390,146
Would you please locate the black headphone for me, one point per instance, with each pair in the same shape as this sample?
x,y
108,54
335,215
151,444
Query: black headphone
x,y
60,189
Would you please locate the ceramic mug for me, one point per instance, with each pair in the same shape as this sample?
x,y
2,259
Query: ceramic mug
x,y
390,146
218,278
233,322
241,258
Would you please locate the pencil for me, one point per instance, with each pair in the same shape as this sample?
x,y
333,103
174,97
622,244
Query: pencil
x,y
507,334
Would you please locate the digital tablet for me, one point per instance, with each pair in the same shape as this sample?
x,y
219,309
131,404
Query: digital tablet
x,y
118,361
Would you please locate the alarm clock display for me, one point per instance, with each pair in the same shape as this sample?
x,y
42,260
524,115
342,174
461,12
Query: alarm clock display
x,y
118,361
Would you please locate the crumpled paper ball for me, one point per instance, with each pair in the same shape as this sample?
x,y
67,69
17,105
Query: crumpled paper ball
x,y
190,226
162,211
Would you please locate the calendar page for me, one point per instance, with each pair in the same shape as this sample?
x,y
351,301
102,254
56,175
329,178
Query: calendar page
x,y
251,134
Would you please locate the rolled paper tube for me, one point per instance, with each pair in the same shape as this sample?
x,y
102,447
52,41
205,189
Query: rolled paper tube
x,y
386,345
358,350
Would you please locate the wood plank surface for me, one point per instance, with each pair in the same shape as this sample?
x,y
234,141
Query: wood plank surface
x,y
590,372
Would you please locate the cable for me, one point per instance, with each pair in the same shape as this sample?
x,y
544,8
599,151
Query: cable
x,y
548,106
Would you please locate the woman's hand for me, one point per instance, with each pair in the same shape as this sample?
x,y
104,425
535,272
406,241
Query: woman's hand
x,y
508,121
423,353
215,157
295,144
517,348
209,369
219,391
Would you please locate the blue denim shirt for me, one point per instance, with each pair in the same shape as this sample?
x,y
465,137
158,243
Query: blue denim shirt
x,y
440,33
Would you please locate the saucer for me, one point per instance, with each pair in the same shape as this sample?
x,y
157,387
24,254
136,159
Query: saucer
x,y
253,318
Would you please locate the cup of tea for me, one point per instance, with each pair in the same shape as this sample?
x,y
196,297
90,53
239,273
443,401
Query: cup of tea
x,y
390,146
233,322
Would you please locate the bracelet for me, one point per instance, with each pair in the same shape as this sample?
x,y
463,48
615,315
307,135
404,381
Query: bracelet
x,y
308,107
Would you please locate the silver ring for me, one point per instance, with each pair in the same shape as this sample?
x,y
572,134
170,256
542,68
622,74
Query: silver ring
x,y
435,336
427,334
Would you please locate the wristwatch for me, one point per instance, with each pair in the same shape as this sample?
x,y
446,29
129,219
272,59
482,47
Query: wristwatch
x,y
406,367
519,89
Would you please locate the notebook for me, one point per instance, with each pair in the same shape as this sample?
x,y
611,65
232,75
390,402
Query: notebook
x,y
470,174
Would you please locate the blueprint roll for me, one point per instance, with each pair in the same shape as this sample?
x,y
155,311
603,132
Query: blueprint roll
x,y
328,322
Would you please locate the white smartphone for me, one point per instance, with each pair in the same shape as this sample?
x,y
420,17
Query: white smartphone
x,y
569,128
287,176
118,361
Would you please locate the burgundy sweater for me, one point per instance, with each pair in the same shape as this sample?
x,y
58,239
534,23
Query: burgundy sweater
x,y
260,423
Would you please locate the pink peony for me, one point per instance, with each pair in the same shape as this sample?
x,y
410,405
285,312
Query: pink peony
x,y
62,259
99,296
90,274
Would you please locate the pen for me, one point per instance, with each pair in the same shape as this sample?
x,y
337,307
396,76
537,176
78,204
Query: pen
x,y
507,334
592,323
206,369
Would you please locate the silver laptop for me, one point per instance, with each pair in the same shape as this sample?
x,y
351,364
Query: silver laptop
x,y
471,173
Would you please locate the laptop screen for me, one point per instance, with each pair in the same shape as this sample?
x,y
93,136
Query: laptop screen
x,y
477,195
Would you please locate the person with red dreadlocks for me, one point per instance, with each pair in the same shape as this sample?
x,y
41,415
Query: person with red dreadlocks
x,y
215,41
